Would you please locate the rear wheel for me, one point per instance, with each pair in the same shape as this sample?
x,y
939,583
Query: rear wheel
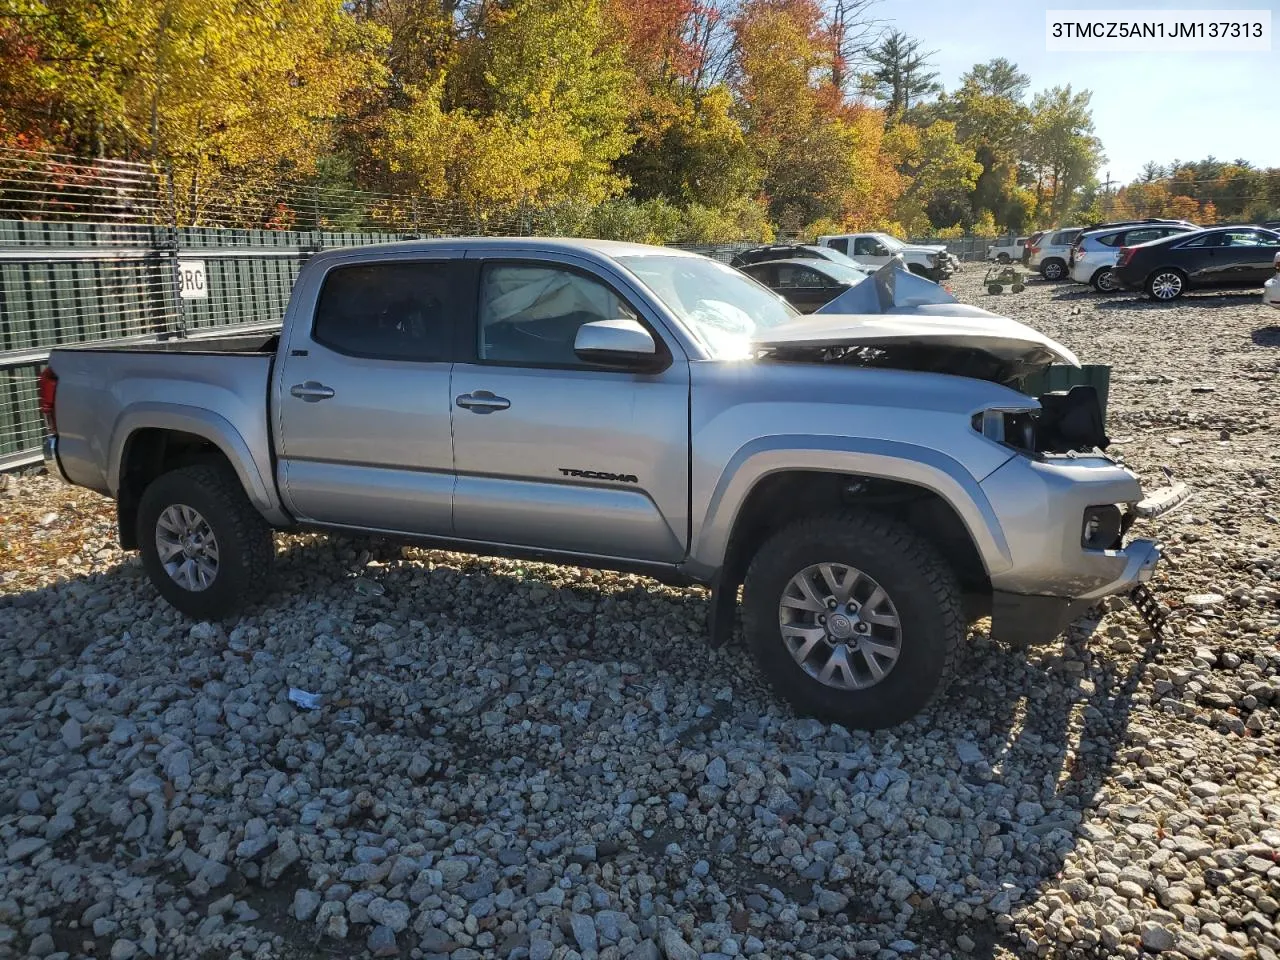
x,y
1105,281
204,545
1053,269
853,617
1167,284
1002,258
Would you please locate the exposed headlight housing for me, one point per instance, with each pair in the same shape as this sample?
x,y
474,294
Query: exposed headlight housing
x,y
1013,426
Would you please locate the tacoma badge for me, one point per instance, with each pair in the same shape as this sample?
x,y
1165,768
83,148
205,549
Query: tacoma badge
x,y
600,475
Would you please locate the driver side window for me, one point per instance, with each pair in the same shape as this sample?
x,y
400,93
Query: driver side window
x,y
530,314
867,247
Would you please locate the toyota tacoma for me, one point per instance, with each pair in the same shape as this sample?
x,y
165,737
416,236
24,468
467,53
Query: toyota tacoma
x,y
871,481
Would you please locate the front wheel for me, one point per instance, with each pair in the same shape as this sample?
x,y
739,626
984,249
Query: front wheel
x,y
1166,285
854,618
204,545
1002,258
1053,269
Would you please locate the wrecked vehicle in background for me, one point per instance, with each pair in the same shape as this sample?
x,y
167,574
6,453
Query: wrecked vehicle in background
x,y
872,480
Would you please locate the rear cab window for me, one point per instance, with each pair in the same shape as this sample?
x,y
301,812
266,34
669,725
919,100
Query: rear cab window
x,y
838,243
398,310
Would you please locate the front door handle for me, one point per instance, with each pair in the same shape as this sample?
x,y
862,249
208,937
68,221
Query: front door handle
x,y
482,401
311,391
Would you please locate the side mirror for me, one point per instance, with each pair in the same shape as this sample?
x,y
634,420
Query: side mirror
x,y
616,343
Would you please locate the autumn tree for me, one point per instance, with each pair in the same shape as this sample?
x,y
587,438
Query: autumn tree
x,y
689,146
819,158
939,172
230,97
849,27
535,109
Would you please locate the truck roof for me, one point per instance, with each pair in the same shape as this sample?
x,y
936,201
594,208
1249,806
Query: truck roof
x,y
610,249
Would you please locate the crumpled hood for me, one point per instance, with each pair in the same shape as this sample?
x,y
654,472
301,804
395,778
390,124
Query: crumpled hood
x,y
894,308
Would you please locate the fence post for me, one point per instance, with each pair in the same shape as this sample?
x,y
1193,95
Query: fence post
x,y
176,273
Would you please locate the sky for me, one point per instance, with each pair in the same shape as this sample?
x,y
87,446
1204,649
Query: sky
x,y
1146,106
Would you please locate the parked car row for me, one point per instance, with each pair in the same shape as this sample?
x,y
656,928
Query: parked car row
x,y
1161,258
812,277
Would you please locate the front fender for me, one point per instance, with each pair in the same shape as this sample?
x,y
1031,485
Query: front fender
x,y
886,459
211,426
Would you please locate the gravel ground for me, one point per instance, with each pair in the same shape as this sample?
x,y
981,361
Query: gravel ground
x,y
514,760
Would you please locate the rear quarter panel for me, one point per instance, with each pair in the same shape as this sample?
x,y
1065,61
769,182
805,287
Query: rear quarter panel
x,y
105,396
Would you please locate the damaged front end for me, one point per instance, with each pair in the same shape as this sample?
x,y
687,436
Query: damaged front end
x,y
897,320
1066,503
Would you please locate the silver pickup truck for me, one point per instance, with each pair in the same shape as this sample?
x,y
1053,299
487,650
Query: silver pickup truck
x,y
872,482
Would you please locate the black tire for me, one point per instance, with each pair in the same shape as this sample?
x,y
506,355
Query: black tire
x,y
920,584
1166,284
1053,269
1002,258
244,540
1105,281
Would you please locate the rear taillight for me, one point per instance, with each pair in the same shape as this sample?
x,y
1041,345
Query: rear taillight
x,y
1278,263
1125,255
48,393
1034,250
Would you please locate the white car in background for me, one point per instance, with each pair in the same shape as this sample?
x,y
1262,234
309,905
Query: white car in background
x,y
1007,249
1049,253
1271,289
1094,254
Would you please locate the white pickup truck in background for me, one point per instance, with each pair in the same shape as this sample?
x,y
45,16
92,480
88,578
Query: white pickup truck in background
x,y
876,249
1006,249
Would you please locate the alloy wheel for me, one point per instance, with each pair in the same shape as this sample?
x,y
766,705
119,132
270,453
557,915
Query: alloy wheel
x,y
1166,286
840,626
187,547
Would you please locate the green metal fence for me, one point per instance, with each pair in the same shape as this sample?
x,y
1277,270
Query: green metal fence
x,y
73,283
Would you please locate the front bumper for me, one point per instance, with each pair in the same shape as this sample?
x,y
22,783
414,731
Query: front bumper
x,y
1053,577
1023,619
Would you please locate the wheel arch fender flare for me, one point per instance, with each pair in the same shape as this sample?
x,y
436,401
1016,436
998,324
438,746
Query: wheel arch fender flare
x,y
208,425
887,459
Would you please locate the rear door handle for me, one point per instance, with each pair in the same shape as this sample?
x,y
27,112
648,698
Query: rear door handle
x,y
482,401
311,391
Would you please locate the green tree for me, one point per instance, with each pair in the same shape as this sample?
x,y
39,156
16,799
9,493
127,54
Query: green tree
x,y
899,75
1063,154
992,120
940,173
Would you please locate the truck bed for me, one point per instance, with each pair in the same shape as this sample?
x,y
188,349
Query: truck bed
x,y
215,388
233,343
